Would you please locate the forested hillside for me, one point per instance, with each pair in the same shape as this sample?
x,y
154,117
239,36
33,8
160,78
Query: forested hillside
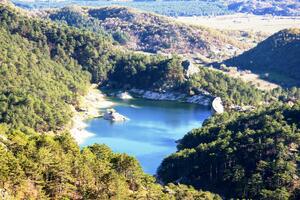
x,y
43,71
151,33
276,58
115,67
35,166
242,155
46,66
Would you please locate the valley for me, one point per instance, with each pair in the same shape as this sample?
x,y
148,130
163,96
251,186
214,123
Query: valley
x,y
117,102
266,24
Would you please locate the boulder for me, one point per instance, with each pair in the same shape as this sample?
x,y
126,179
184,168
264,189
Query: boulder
x,y
112,115
217,105
124,95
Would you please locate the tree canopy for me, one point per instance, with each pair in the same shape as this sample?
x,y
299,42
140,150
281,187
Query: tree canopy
x,y
241,155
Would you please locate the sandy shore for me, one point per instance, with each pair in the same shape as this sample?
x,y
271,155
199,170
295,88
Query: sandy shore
x,y
90,106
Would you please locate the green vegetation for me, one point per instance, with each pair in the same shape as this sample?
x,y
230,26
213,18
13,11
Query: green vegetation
x,y
119,68
43,71
232,91
34,90
276,58
151,72
241,155
46,66
34,166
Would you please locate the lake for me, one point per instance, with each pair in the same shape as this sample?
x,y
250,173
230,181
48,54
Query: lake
x,y
151,133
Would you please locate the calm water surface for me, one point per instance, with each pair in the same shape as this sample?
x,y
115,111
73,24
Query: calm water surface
x,y
152,130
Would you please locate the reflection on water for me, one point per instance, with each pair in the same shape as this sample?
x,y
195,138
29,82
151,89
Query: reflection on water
x,y
152,130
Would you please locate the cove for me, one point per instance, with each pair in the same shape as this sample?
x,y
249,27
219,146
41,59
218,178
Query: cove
x,y
151,133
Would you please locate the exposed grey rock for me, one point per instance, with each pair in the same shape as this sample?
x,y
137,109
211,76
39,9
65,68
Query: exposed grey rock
x,y
112,115
190,68
124,95
172,96
217,105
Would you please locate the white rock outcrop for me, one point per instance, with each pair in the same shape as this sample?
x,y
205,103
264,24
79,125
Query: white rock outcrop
x,y
112,115
172,96
124,95
217,105
199,99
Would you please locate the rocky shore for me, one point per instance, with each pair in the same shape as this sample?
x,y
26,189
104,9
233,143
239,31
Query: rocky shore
x,y
200,99
112,115
89,107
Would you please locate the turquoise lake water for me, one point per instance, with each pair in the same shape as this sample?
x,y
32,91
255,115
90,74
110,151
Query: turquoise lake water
x,y
151,133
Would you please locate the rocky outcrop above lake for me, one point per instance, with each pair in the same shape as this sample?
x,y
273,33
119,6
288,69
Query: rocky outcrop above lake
x,y
201,99
217,105
112,115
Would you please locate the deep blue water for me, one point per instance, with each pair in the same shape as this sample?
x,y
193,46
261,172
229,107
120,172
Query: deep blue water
x,y
152,130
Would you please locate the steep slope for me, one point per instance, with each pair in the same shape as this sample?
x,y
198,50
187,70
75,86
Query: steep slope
x,y
35,90
277,57
151,33
251,155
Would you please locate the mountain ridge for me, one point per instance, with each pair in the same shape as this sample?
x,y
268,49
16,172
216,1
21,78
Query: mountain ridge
x,y
128,26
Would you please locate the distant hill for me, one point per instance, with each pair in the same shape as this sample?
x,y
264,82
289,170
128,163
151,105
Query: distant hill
x,y
277,57
168,8
152,33
264,7
184,7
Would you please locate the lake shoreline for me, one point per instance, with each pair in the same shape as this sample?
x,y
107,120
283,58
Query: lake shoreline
x,y
95,100
152,131
204,99
89,108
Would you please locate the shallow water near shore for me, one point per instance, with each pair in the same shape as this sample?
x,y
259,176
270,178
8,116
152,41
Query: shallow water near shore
x,y
151,133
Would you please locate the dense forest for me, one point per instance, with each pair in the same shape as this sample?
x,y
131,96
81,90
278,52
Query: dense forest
x,y
241,155
41,166
115,67
276,58
46,66
38,82
35,90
